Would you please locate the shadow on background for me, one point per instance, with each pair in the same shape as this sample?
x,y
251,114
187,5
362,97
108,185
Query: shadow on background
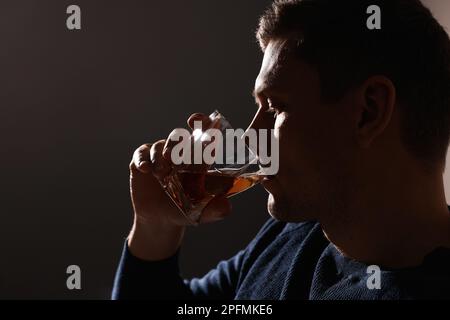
x,y
75,105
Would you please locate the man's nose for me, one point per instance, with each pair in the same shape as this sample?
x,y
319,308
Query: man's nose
x,y
262,120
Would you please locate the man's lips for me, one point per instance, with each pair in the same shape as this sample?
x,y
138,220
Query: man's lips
x,y
268,178
268,182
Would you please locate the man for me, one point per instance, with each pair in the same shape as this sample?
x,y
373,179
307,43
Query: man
x,y
362,118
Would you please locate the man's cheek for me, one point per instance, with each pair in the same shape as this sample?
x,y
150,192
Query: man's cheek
x,y
269,152
280,125
286,141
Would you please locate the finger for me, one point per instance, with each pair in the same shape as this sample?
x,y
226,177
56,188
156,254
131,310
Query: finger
x,y
217,209
141,159
204,120
172,140
180,160
160,166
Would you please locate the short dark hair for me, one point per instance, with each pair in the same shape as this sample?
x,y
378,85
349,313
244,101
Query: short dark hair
x,y
412,49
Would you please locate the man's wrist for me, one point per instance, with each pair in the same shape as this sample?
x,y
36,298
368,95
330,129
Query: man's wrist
x,y
153,241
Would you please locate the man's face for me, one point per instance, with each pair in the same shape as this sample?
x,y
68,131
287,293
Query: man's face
x,y
317,152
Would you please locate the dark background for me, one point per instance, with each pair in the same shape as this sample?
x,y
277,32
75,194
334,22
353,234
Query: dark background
x,y
74,106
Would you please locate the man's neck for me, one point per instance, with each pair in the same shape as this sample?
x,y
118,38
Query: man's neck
x,y
395,226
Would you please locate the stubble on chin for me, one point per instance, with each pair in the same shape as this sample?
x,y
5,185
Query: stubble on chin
x,y
281,209
278,209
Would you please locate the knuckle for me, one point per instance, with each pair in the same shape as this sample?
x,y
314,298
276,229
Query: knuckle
x,y
144,147
131,166
157,147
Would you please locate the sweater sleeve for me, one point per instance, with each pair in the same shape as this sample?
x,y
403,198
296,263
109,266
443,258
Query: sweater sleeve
x,y
161,280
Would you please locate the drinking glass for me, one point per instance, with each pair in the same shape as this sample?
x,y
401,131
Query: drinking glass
x,y
192,187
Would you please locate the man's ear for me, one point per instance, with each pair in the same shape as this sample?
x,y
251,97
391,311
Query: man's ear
x,y
377,99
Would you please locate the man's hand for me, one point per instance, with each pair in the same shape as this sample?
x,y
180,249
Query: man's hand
x,y
159,226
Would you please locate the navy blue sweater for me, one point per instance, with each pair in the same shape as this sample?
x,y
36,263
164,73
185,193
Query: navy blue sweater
x,y
284,261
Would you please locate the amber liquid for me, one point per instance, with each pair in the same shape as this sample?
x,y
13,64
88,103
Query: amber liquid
x,y
198,186
193,191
